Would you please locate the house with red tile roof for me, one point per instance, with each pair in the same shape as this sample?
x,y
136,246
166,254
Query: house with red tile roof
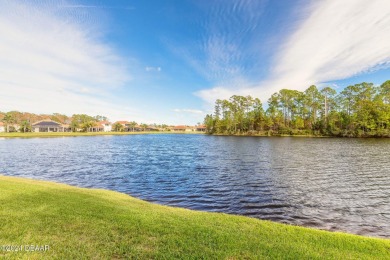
x,y
129,127
183,128
102,126
200,128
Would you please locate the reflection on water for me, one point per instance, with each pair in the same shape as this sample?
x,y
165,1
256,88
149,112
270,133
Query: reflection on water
x,y
327,183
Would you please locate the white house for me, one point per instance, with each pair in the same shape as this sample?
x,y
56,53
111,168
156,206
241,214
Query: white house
x,y
107,126
102,126
11,127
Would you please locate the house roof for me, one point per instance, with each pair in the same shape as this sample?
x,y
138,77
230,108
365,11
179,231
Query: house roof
x,y
180,127
46,123
201,127
102,123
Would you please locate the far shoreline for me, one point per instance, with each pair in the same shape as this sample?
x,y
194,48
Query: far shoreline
x,y
77,134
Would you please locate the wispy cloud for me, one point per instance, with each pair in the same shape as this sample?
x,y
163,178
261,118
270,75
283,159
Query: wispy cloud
x,y
190,111
97,6
231,27
153,69
55,61
335,40
79,6
224,51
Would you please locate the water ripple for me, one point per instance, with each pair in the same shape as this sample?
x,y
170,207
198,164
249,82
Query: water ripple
x,y
332,184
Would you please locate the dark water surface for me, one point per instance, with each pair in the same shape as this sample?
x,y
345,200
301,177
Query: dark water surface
x,y
327,183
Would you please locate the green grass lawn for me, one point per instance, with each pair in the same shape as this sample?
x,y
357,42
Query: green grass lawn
x,y
97,224
61,134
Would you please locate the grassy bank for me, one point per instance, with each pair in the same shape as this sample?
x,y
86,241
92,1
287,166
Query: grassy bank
x,y
64,134
89,223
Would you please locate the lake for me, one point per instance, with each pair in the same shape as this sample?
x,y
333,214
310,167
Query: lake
x,y
336,184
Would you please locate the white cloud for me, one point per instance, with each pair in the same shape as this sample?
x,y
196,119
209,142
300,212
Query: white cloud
x,y
97,7
191,111
336,40
339,39
224,48
54,61
151,69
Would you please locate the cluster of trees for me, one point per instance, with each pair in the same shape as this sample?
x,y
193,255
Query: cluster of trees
x,y
360,110
84,122
117,127
134,126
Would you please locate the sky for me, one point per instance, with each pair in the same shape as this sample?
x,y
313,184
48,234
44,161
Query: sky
x,y
167,61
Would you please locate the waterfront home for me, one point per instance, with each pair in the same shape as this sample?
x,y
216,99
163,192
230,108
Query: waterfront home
x,y
107,126
11,127
152,128
2,127
129,127
200,128
186,128
123,123
183,128
179,128
102,126
48,125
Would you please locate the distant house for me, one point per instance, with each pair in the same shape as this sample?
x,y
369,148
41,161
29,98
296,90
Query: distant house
x,y
102,126
179,128
107,126
186,128
183,128
129,127
11,127
124,123
49,126
200,128
151,128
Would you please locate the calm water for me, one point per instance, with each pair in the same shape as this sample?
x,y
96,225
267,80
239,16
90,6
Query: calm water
x,y
333,184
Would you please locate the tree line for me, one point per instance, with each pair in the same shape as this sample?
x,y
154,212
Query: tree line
x,y
24,120
360,110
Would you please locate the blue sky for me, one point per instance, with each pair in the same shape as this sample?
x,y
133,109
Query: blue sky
x,y
167,61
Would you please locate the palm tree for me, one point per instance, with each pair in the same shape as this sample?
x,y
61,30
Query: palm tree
x,y
117,127
132,125
8,119
144,126
87,125
25,126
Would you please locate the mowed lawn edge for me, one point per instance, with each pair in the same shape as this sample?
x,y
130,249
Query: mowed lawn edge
x,y
100,224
